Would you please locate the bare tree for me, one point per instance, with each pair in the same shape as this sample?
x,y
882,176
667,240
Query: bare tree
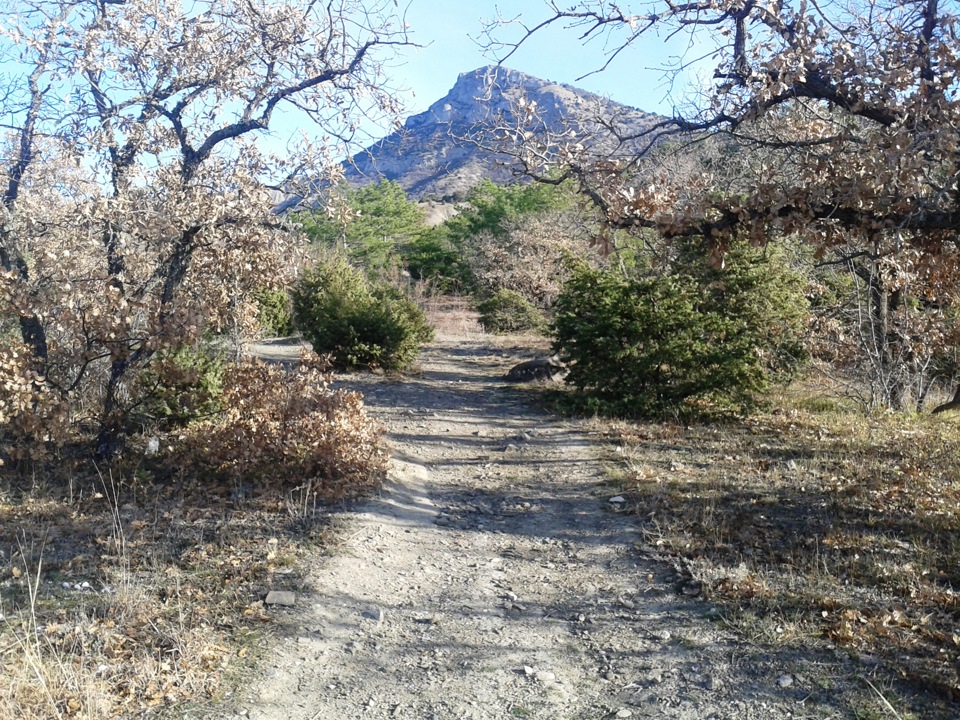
x,y
855,106
137,200
529,255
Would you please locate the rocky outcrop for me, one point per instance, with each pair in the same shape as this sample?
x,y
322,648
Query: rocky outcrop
x,y
429,157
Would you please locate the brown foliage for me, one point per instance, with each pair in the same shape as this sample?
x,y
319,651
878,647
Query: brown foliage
x,y
855,105
35,419
137,209
835,123
280,428
528,256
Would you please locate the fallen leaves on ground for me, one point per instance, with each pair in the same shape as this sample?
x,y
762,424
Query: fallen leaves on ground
x,y
831,524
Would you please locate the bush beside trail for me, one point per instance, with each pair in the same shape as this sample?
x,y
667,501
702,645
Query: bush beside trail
x,y
274,313
357,322
182,385
694,342
167,553
509,312
284,427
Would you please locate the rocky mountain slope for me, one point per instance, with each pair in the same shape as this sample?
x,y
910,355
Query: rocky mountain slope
x,y
430,158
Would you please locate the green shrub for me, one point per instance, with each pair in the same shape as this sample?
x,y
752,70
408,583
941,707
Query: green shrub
x,y
697,342
274,313
360,324
183,385
382,223
507,311
436,259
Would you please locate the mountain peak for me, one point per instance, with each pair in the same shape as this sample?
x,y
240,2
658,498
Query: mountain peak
x,y
426,158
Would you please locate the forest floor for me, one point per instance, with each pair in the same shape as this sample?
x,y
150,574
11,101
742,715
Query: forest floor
x,y
500,573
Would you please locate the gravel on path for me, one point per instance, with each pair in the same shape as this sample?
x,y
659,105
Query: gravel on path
x,y
494,578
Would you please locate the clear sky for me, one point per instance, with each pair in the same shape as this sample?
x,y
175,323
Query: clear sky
x,y
450,32
449,28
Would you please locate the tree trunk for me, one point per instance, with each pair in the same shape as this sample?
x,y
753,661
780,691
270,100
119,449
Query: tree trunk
x,y
112,421
886,348
32,331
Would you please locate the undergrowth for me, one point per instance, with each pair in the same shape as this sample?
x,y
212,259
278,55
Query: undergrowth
x,y
139,589
816,521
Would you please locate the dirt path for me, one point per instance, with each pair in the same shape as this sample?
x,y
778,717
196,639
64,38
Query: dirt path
x,y
494,579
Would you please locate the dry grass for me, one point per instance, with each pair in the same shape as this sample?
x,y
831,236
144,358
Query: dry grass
x,y
119,599
451,315
121,596
814,520
457,317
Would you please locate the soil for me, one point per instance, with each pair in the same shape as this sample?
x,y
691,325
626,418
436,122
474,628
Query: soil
x,y
496,577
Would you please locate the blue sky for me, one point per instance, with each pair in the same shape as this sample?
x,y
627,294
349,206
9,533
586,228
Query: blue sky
x,y
449,30
447,27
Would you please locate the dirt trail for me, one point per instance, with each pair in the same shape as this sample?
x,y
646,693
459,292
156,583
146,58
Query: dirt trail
x,y
494,579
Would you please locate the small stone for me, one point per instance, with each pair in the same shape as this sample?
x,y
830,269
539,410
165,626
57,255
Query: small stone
x,y
624,713
442,522
528,671
627,603
617,500
376,615
663,635
545,676
284,598
785,681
